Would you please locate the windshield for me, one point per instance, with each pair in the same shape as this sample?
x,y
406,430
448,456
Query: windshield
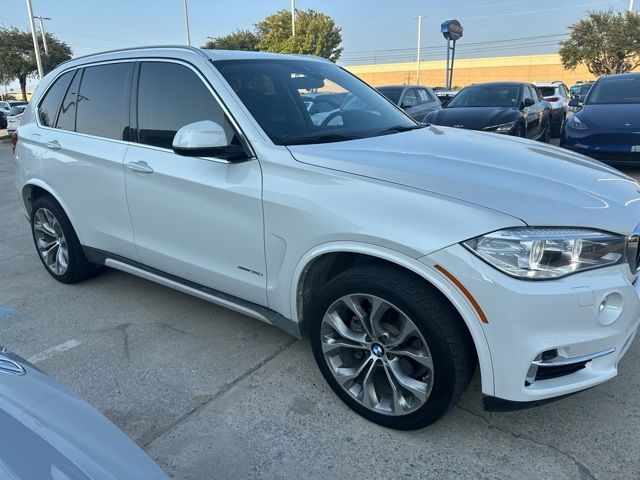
x,y
392,94
487,96
275,91
615,90
584,89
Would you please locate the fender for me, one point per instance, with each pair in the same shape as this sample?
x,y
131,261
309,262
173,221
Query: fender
x,y
461,304
37,182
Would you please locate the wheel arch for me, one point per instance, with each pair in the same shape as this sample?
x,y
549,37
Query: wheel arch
x,y
35,188
324,262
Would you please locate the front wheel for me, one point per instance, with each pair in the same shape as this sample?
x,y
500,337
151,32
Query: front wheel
x,y
390,346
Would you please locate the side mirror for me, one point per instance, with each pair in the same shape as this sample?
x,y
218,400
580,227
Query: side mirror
x,y
528,102
574,102
205,139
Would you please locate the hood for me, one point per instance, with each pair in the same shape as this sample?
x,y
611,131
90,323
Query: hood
x,y
540,184
612,117
473,118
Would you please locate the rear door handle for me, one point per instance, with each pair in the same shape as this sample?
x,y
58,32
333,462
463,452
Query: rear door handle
x,y
53,145
140,167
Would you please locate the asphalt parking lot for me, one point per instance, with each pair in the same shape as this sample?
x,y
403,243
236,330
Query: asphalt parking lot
x,y
211,394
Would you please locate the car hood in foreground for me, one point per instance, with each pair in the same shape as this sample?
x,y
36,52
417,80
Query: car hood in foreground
x,y
473,118
612,117
540,184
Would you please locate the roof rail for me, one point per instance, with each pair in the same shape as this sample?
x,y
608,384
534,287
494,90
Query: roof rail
x,y
128,49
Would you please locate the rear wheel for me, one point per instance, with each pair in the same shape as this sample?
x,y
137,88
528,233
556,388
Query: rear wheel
x,y
557,129
390,346
57,243
546,135
519,131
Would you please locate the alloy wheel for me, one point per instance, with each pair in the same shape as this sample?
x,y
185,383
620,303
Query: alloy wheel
x,y
50,241
377,354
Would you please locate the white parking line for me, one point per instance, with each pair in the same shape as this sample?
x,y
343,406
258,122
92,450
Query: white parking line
x,y
50,352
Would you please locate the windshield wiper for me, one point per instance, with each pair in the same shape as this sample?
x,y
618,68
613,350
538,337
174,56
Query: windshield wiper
x,y
400,128
326,138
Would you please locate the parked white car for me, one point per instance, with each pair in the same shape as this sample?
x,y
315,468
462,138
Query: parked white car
x,y
13,118
558,96
407,253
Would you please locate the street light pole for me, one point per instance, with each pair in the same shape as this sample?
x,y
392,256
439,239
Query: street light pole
x,y
36,48
186,22
419,17
44,38
293,18
631,5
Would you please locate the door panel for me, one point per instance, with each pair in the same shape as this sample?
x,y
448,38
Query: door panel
x,y
200,220
86,171
196,218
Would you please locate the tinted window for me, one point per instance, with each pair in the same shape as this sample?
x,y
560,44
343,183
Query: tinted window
x,y
67,115
102,100
392,94
548,91
158,123
48,108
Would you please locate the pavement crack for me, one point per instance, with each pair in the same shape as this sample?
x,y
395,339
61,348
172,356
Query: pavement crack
x,y
583,470
202,401
125,338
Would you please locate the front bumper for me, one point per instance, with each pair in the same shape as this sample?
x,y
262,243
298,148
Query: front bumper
x,y
613,149
533,322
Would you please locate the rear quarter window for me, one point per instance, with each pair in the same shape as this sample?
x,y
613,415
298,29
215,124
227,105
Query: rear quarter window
x,y
50,104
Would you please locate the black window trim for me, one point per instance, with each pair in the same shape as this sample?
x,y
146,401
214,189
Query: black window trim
x,y
241,135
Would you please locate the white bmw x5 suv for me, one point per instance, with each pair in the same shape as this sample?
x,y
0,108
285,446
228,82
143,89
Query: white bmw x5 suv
x,y
407,253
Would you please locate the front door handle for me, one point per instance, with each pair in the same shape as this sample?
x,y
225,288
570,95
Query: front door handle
x,y
53,145
140,167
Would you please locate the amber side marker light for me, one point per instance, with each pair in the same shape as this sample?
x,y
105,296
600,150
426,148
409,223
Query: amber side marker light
x,y
465,292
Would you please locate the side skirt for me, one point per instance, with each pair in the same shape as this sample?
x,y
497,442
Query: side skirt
x,y
226,300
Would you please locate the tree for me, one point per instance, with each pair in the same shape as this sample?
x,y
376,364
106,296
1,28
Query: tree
x,y
18,60
316,34
237,40
607,42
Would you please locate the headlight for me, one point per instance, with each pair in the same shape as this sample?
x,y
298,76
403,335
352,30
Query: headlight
x,y
577,124
545,253
504,128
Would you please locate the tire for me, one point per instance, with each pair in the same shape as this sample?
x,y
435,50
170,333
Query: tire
x,y
519,131
50,226
546,135
447,346
3,122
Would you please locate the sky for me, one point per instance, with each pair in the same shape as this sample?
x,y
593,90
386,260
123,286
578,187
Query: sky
x,y
373,31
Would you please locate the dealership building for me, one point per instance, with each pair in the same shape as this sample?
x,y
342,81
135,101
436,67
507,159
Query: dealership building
x,y
527,68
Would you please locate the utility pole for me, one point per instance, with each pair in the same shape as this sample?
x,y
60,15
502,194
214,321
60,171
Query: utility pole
x,y
36,48
186,22
44,38
293,18
631,5
419,17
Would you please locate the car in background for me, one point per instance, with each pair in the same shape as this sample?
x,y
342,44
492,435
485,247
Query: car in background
x,y
445,96
558,96
48,433
580,94
607,127
416,101
508,108
5,108
13,117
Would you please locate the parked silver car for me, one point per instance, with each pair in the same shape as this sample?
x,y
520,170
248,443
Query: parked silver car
x,y
558,96
416,101
50,434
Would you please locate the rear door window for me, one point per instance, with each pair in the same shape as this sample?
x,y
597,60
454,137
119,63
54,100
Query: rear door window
x,y
410,98
48,109
102,104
